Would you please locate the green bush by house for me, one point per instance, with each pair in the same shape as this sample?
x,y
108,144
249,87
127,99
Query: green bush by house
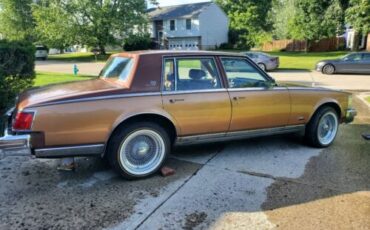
x,y
17,63
137,42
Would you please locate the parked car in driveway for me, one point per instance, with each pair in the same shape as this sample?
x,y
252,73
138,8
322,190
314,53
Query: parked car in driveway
x,y
352,63
145,102
41,52
265,61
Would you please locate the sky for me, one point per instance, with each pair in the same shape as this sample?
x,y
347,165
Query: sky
x,y
178,2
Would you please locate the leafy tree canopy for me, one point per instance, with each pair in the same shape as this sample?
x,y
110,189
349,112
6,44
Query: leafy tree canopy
x,y
358,15
316,19
248,20
16,21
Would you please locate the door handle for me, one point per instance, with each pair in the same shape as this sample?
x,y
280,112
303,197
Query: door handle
x,y
238,98
176,100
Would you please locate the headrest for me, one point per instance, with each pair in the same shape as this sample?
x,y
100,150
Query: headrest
x,y
197,74
170,77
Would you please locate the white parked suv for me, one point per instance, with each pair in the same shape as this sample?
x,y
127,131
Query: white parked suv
x,y
41,52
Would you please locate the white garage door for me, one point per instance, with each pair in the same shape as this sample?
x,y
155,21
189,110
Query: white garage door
x,y
183,44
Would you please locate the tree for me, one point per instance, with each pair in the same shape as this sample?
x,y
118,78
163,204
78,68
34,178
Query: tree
x,y
53,25
316,19
249,23
101,23
282,13
16,21
358,16
17,62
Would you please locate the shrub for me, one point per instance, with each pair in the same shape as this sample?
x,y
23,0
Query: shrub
x,y
17,62
226,46
137,42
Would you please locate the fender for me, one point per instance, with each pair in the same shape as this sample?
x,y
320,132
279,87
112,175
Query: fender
x,y
323,102
123,117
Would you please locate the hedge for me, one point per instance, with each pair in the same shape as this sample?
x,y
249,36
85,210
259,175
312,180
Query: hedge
x,y
17,63
138,42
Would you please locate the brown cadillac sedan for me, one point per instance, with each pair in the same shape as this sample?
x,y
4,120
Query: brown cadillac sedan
x,y
143,103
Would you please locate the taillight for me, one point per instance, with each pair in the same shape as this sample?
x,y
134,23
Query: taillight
x,y
23,121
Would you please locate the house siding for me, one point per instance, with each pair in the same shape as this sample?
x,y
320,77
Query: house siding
x,y
180,28
209,29
214,27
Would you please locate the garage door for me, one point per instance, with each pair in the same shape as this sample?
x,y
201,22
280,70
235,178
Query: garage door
x,y
184,44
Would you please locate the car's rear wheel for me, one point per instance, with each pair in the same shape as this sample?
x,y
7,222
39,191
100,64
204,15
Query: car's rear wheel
x,y
138,150
328,69
323,127
262,66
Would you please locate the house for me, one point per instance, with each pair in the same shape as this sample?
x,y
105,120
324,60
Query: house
x,y
189,26
364,40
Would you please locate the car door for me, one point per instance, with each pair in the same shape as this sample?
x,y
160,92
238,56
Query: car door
x,y
365,63
256,102
350,64
194,95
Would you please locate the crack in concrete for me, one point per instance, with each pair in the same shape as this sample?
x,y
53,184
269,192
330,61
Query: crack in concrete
x,y
178,189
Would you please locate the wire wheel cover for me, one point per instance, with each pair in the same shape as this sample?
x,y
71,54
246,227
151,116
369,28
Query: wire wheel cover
x,y
327,128
142,152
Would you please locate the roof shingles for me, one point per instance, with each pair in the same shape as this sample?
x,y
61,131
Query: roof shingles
x,y
178,11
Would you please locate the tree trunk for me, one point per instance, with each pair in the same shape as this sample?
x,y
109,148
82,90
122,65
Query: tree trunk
x,y
102,49
356,42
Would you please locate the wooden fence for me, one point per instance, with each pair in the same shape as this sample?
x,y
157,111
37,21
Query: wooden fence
x,y
327,44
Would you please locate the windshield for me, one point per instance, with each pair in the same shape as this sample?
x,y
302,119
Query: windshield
x,y
117,67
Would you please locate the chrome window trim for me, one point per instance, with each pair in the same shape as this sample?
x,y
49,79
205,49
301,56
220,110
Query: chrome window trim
x,y
175,58
256,89
99,98
194,91
267,77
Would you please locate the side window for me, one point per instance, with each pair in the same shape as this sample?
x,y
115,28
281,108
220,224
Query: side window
x,y
354,57
241,74
191,74
172,25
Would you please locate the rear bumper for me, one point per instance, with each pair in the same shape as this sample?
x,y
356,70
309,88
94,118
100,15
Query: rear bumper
x,y
350,115
15,145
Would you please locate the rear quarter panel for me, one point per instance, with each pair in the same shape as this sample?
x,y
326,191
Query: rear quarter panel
x,y
90,122
305,102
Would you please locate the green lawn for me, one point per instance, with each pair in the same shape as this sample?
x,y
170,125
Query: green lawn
x,y
304,61
78,57
368,99
288,60
43,78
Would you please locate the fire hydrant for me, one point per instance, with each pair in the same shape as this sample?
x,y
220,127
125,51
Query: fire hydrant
x,y
75,69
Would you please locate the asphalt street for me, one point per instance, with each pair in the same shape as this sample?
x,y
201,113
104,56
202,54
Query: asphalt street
x,y
262,183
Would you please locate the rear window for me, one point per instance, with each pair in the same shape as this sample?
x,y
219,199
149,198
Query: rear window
x,y
41,48
117,67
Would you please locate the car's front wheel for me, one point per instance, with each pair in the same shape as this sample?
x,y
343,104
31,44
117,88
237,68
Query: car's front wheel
x,y
138,150
328,69
323,127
